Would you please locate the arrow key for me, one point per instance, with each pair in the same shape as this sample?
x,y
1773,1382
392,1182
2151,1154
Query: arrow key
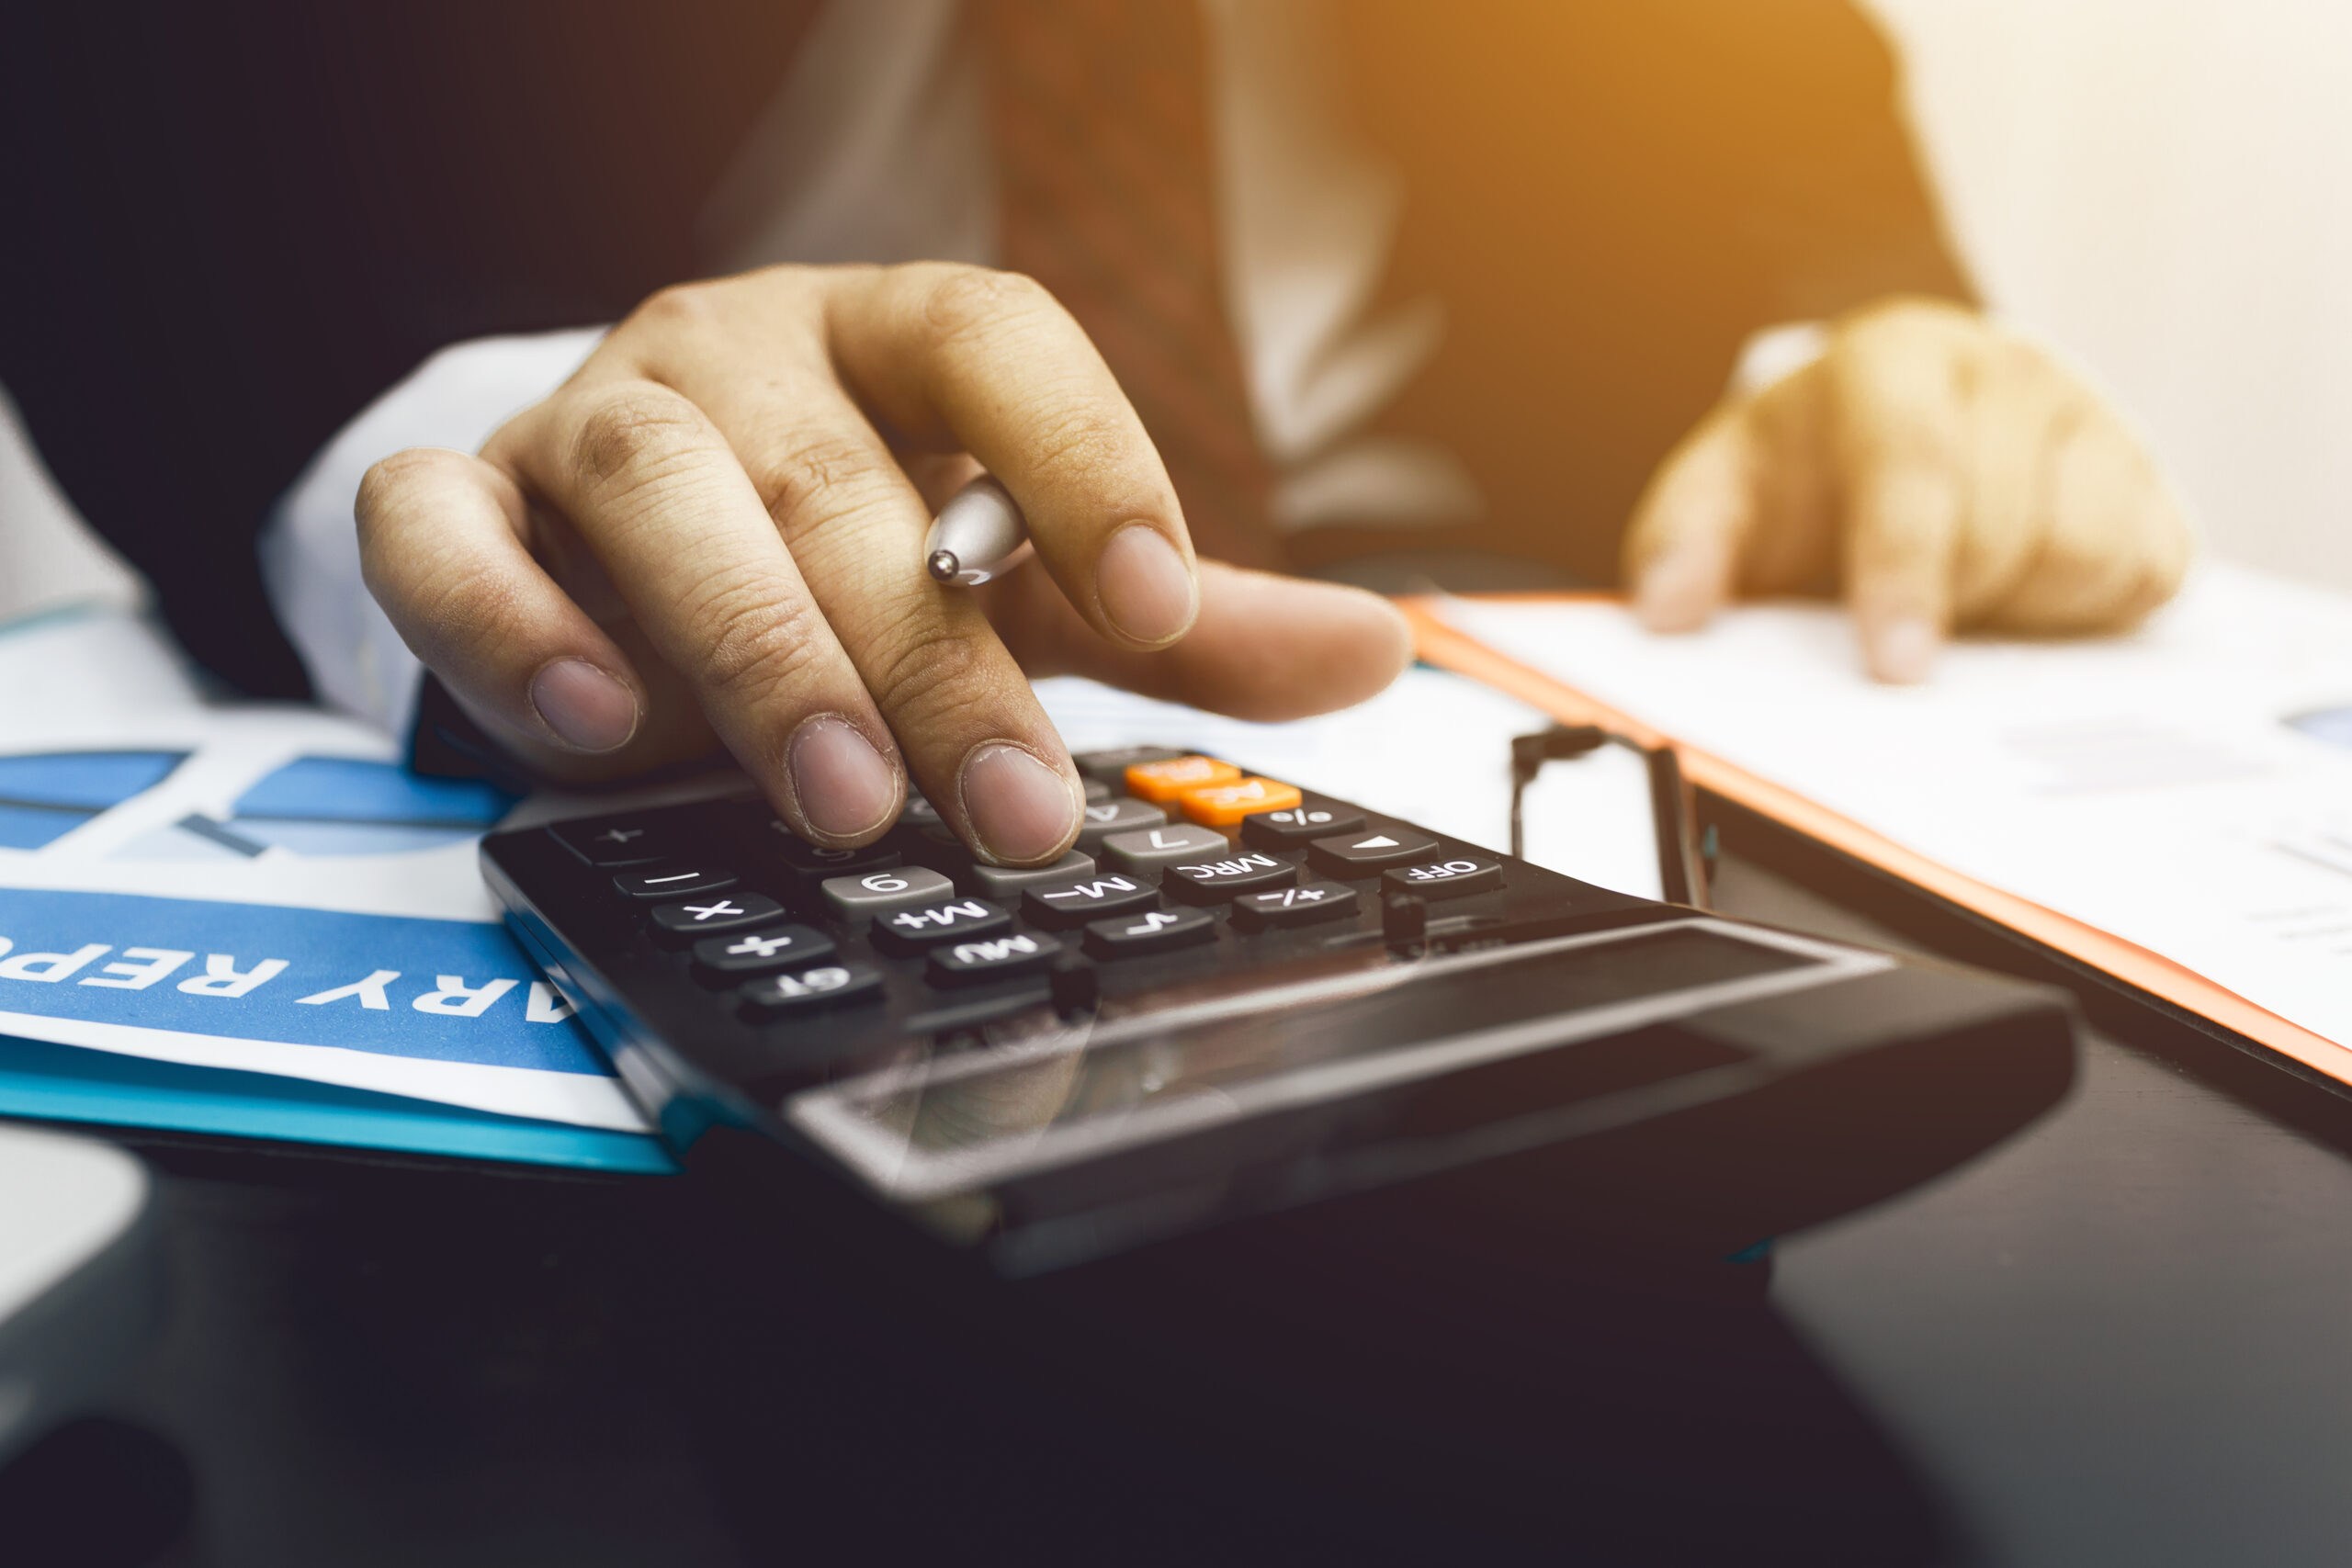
x,y
1350,855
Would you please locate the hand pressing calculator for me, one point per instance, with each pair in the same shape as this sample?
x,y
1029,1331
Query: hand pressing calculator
x,y
1232,997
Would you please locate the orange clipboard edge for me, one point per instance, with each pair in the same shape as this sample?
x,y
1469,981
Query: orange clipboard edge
x,y
2180,988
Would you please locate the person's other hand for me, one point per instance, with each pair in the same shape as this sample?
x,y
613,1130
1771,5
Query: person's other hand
x,y
1941,473
714,532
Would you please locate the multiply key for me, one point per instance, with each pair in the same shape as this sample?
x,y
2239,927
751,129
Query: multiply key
x,y
1213,881
910,930
1304,904
1456,877
1074,900
716,912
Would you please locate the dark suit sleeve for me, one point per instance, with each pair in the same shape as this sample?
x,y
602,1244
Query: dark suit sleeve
x,y
1610,197
232,225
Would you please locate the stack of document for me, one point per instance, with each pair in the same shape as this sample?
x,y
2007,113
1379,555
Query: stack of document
x,y
2175,804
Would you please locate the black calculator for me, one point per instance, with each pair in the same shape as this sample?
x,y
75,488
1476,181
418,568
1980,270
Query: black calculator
x,y
1232,997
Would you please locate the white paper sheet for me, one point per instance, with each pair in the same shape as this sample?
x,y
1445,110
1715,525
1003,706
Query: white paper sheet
x,y
2153,785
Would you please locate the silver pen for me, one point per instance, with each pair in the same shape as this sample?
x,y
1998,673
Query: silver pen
x,y
978,534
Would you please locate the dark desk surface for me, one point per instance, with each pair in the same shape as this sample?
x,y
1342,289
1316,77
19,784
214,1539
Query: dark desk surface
x,y
2120,1338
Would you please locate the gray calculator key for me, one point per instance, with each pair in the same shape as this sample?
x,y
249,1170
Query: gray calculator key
x,y
1112,767
1149,851
1120,814
920,813
875,893
1005,882
1096,791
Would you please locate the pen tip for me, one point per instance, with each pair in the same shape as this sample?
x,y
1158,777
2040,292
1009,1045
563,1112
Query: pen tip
x,y
943,565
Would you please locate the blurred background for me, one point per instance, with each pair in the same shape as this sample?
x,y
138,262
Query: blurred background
x,y
2161,187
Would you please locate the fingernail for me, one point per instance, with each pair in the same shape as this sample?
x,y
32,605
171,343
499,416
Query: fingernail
x,y
588,710
1672,593
1904,651
1021,810
843,786
1146,590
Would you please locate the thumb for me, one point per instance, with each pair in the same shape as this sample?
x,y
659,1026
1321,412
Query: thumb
x,y
1684,547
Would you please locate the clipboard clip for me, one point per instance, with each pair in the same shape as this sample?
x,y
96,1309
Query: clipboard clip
x,y
1680,870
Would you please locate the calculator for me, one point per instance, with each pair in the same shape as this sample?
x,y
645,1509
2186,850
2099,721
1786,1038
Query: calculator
x,y
1233,997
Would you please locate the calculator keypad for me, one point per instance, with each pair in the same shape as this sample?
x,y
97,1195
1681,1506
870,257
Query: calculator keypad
x,y
1218,871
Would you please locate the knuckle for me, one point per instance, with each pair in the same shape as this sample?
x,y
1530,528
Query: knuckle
x,y
819,478
682,307
751,644
635,432
390,480
931,672
966,302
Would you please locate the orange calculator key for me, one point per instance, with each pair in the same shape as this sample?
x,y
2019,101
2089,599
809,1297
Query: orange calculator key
x,y
1160,783
1225,805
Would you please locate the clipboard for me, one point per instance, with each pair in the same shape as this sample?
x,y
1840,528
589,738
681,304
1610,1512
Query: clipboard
x,y
2150,977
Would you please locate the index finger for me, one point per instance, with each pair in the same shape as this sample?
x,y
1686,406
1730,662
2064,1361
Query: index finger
x,y
1897,426
988,362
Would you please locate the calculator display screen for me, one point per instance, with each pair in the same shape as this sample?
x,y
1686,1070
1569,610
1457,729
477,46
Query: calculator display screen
x,y
1065,1094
